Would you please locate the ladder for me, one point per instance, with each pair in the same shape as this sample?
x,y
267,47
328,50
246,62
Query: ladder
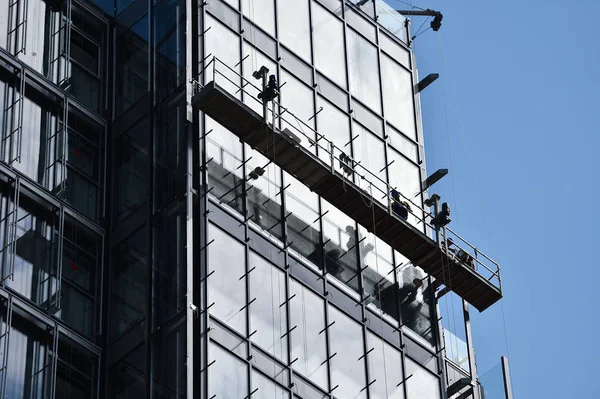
x,y
17,26
10,233
60,37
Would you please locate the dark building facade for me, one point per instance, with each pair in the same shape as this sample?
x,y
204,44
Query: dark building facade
x,y
146,251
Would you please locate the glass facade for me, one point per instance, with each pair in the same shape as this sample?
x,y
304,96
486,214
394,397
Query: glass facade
x,y
141,252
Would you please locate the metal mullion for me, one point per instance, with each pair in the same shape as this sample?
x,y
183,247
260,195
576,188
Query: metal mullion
x,y
13,240
61,234
8,323
54,366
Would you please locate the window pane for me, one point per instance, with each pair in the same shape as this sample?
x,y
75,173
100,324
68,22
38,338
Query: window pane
x,y
308,338
225,45
422,384
347,366
334,125
385,366
294,27
415,302
262,13
370,152
127,377
299,101
404,176
398,99
328,34
267,316
227,260
227,376
402,144
363,69
267,389
77,371
169,40
132,65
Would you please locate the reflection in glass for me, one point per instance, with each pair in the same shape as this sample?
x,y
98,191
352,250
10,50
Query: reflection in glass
x,y
132,65
329,54
347,366
227,376
308,338
422,384
334,125
402,144
266,388
76,372
385,367
225,45
262,13
251,64
226,262
404,176
363,70
294,27
169,40
299,101
267,316
127,377
370,152
391,20
415,299
398,99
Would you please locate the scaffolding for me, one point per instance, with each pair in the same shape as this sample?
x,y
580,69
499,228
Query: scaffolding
x,y
346,184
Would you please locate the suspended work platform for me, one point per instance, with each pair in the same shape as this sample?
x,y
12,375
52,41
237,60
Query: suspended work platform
x,y
285,149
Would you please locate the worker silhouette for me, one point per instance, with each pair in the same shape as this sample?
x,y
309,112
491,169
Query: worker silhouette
x,y
442,218
399,207
460,254
271,90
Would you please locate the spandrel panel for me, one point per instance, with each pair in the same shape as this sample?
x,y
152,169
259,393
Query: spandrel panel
x,y
308,338
267,389
294,27
226,284
363,70
267,316
398,98
348,364
329,53
385,367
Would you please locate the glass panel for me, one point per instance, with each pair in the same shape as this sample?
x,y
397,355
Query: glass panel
x,y
226,338
224,14
415,302
132,65
169,45
226,285
363,70
29,372
402,144
370,152
308,338
395,50
391,20
270,367
304,227
422,384
35,273
39,14
130,189
299,101
404,176
385,367
334,125
359,23
456,350
398,98
367,118
339,235
81,253
234,3
332,92
296,66
267,389
129,279
169,362
294,27
251,64
493,384
225,170
127,377
262,13
267,316
225,45
227,376
258,38
77,371
348,364
329,54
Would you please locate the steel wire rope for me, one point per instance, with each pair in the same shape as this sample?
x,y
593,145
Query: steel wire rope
x,y
480,201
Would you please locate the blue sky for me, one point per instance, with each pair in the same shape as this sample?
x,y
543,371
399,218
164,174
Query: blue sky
x,y
524,75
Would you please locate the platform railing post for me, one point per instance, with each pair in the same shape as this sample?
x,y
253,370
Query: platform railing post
x,y
331,147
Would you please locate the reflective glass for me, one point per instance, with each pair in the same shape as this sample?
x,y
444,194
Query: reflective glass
x,y
267,389
339,235
234,3
169,40
304,227
422,384
334,125
132,65
224,14
328,39
294,27
127,376
227,376
225,45
370,152
359,23
77,371
395,50
255,59
299,101
391,20
348,364
398,98
267,316
385,367
363,70
415,300
402,144
261,12
404,176
308,338
226,285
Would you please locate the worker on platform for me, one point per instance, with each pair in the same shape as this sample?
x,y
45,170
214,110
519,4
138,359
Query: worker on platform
x,y
271,90
461,254
399,207
442,218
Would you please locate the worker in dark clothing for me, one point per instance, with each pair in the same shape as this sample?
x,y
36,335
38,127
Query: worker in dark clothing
x,y
460,254
399,207
442,218
271,91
